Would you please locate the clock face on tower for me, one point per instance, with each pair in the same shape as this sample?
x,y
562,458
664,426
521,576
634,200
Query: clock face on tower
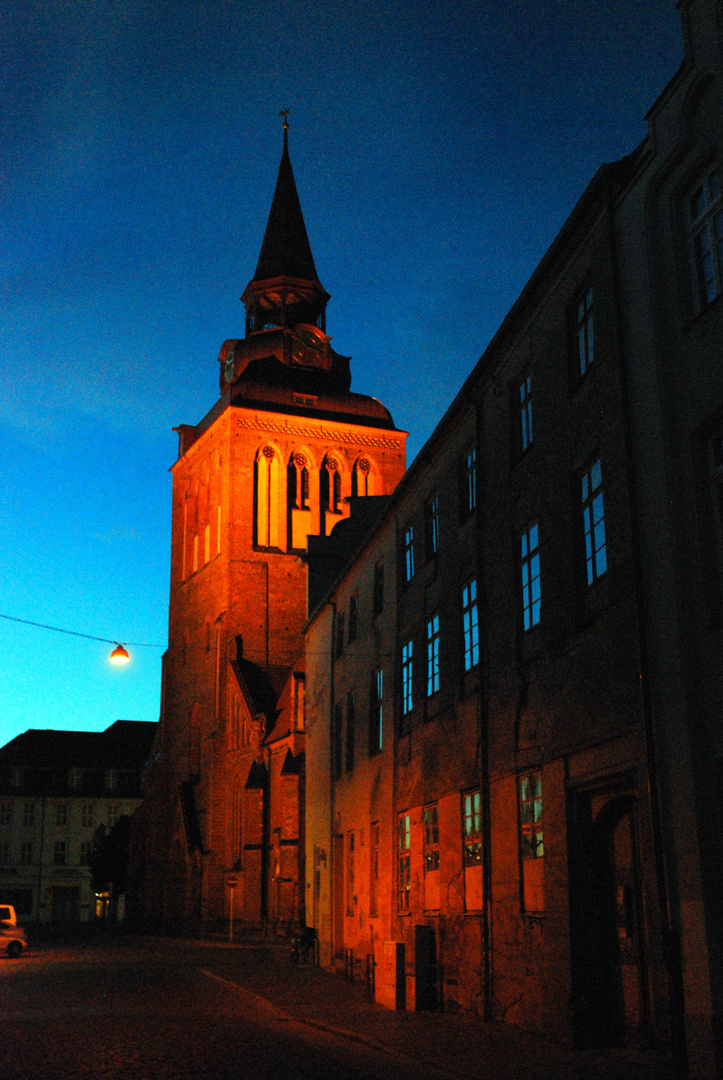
x,y
309,346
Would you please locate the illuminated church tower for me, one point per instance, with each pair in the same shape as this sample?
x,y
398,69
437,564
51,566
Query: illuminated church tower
x,y
275,460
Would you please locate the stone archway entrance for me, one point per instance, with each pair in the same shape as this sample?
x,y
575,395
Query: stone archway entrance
x,y
610,1003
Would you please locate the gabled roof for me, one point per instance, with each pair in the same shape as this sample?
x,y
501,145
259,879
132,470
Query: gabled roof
x,y
258,688
125,744
285,251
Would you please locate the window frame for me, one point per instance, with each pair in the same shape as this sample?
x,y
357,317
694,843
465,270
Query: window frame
x,y
409,567
589,496
472,827
706,222
523,403
431,527
468,493
376,712
471,632
530,576
404,862
532,828
583,330
430,837
407,681
433,638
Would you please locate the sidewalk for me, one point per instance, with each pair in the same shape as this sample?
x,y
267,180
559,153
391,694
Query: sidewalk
x,y
458,1045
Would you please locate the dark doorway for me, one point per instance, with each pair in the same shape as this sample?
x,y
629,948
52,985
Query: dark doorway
x,y
609,984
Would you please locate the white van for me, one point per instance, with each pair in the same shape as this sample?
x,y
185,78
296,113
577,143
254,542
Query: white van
x,y
12,936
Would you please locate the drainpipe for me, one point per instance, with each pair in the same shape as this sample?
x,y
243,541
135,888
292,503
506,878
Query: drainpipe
x,y
670,929
483,742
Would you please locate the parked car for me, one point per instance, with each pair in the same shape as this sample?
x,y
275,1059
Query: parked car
x,y
12,936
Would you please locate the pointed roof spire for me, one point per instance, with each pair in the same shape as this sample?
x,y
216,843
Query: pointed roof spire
x,y
285,251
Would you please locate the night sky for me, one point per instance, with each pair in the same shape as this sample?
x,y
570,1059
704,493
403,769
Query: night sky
x,y
437,147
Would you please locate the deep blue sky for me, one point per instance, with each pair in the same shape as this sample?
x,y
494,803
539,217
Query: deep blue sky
x,y
438,147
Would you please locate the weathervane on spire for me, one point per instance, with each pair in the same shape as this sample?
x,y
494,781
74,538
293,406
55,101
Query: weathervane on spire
x,y
285,114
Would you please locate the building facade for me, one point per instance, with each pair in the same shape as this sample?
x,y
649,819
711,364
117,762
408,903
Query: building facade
x,y
275,461
551,653
56,789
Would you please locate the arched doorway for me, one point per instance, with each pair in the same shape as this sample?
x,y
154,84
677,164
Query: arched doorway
x,y
609,979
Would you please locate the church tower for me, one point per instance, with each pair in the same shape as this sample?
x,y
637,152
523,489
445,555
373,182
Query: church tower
x,y
274,461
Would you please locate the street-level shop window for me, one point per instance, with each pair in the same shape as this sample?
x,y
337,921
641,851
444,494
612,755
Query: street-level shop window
x,y
530,577
704,220
404,869
432,655
470,625
593,513
472,828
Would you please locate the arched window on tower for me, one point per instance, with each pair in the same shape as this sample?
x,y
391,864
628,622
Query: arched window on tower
x,y
364,478
267,498
298,500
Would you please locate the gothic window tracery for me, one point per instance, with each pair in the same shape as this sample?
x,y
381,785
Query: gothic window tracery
x,y
267,497
364,480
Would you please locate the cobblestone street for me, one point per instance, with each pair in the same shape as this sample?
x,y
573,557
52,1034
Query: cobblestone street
x,y
147,1008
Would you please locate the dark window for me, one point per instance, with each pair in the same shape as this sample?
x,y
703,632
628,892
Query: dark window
x,y
353,618
524,404
404,870
593,513
26,853
350,726
59,853
432,655
86,848
431,527
470,625
584,331
337,740
374,869
704,214
409,554
336,491
378,603
339,633
530,575
376,712
468,482
350,895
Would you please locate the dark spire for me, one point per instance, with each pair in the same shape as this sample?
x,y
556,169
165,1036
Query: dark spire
x,y
285,251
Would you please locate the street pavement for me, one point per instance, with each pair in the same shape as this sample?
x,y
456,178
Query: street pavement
x,y
142,1008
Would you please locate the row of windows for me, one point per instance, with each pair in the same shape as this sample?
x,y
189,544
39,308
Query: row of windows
x,y
342,738
529,789
61,853
75,777
60,814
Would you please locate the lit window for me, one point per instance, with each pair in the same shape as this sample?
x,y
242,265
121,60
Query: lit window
x,y
432,655
530,572
61,814
6,813
431,527
350,727
59,853
29,813
470,625
407,702
531,815
409,554
525,412
593,514
378,598
353,618
472,829
26,853
468,493
404,870
704,213
584,334
375,712
431,838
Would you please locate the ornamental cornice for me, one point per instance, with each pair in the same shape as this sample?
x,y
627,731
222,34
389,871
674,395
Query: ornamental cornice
x,y
322,432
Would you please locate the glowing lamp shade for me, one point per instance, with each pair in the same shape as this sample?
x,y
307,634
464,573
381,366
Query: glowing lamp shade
x,y
119,655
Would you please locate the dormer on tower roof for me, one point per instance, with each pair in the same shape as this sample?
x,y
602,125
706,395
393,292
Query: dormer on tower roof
x,y
285,289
